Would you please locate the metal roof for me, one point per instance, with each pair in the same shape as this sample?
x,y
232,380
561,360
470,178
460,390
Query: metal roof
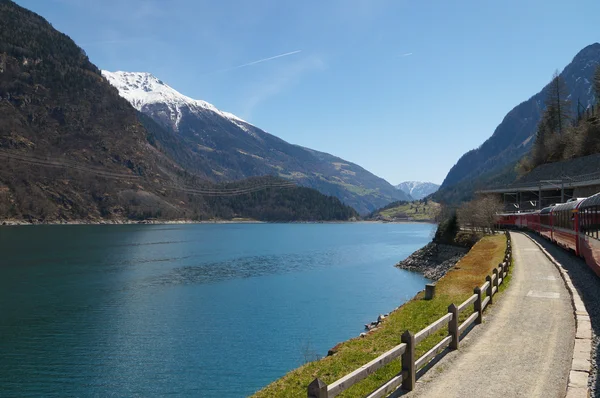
x,y
585,180
546,210
593,200
568,206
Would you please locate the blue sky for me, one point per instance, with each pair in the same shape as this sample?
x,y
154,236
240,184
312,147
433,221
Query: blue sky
x,y
403,88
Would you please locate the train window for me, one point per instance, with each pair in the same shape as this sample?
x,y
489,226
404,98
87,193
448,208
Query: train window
x,y
562,219
590,221
585,222
595,222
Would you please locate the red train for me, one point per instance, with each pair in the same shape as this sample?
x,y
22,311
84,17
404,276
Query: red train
x,y
574,225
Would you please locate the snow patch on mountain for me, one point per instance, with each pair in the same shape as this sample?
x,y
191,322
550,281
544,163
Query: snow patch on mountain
x,y
417,189
142,89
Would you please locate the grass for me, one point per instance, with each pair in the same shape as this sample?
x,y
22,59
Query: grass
x,y
415,315
414,210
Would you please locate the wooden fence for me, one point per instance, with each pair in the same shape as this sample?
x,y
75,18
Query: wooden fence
x,y
481,298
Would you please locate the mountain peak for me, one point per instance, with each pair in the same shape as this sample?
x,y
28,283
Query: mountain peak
x,y
587,50
142,89
417,189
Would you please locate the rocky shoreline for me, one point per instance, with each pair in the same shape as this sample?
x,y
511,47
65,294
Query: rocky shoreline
x,y
433,260
15,223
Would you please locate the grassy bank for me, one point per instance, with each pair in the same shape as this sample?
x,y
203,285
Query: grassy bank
x,y
417,211
416,314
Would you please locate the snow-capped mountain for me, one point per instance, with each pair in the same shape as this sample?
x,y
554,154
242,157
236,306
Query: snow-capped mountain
x,y
417,189
221,146
143,89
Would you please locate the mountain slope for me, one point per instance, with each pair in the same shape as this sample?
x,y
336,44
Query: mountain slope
x,y
407,211
515,135
72,148
417,189
224,147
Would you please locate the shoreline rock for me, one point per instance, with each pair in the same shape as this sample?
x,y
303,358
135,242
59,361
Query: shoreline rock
x,y
433,260
15,223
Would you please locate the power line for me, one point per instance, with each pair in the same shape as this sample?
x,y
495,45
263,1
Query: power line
x,y
106,174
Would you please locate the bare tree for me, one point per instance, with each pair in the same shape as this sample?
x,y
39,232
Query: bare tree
x,y
479,215
558,107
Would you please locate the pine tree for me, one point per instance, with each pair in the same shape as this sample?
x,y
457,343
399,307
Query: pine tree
x,y
539,152
558,113
597,83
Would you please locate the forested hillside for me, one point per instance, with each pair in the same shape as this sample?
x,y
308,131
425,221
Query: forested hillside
x,y
562,134
72,148
496,158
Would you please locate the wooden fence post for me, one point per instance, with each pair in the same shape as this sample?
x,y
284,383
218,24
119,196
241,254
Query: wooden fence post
x,y
478,309
429,291
408,362
317,389
496,278
488,291
453,327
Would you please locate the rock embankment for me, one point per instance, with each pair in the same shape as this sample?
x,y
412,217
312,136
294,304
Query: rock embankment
x,y
433,260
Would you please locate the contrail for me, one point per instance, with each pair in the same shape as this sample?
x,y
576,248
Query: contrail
x,y
407,54
261,61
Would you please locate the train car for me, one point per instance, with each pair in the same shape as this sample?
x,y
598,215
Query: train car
x,y
546,223
574,225
520,220
565,225
507,221
532,221
589,239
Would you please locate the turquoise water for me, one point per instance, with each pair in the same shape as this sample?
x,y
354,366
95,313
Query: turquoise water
x,y
193,310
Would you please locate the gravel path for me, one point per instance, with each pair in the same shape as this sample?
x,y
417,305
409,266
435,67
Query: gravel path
x,y
588,286
525,345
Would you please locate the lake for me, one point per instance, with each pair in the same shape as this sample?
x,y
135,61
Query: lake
x,y
211,310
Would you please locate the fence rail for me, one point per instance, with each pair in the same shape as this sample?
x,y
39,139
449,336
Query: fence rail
x,y
406,350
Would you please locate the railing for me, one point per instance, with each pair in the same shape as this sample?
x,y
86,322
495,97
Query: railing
x,y
406,350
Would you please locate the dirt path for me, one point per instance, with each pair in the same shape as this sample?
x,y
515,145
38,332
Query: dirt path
x,y
525,345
